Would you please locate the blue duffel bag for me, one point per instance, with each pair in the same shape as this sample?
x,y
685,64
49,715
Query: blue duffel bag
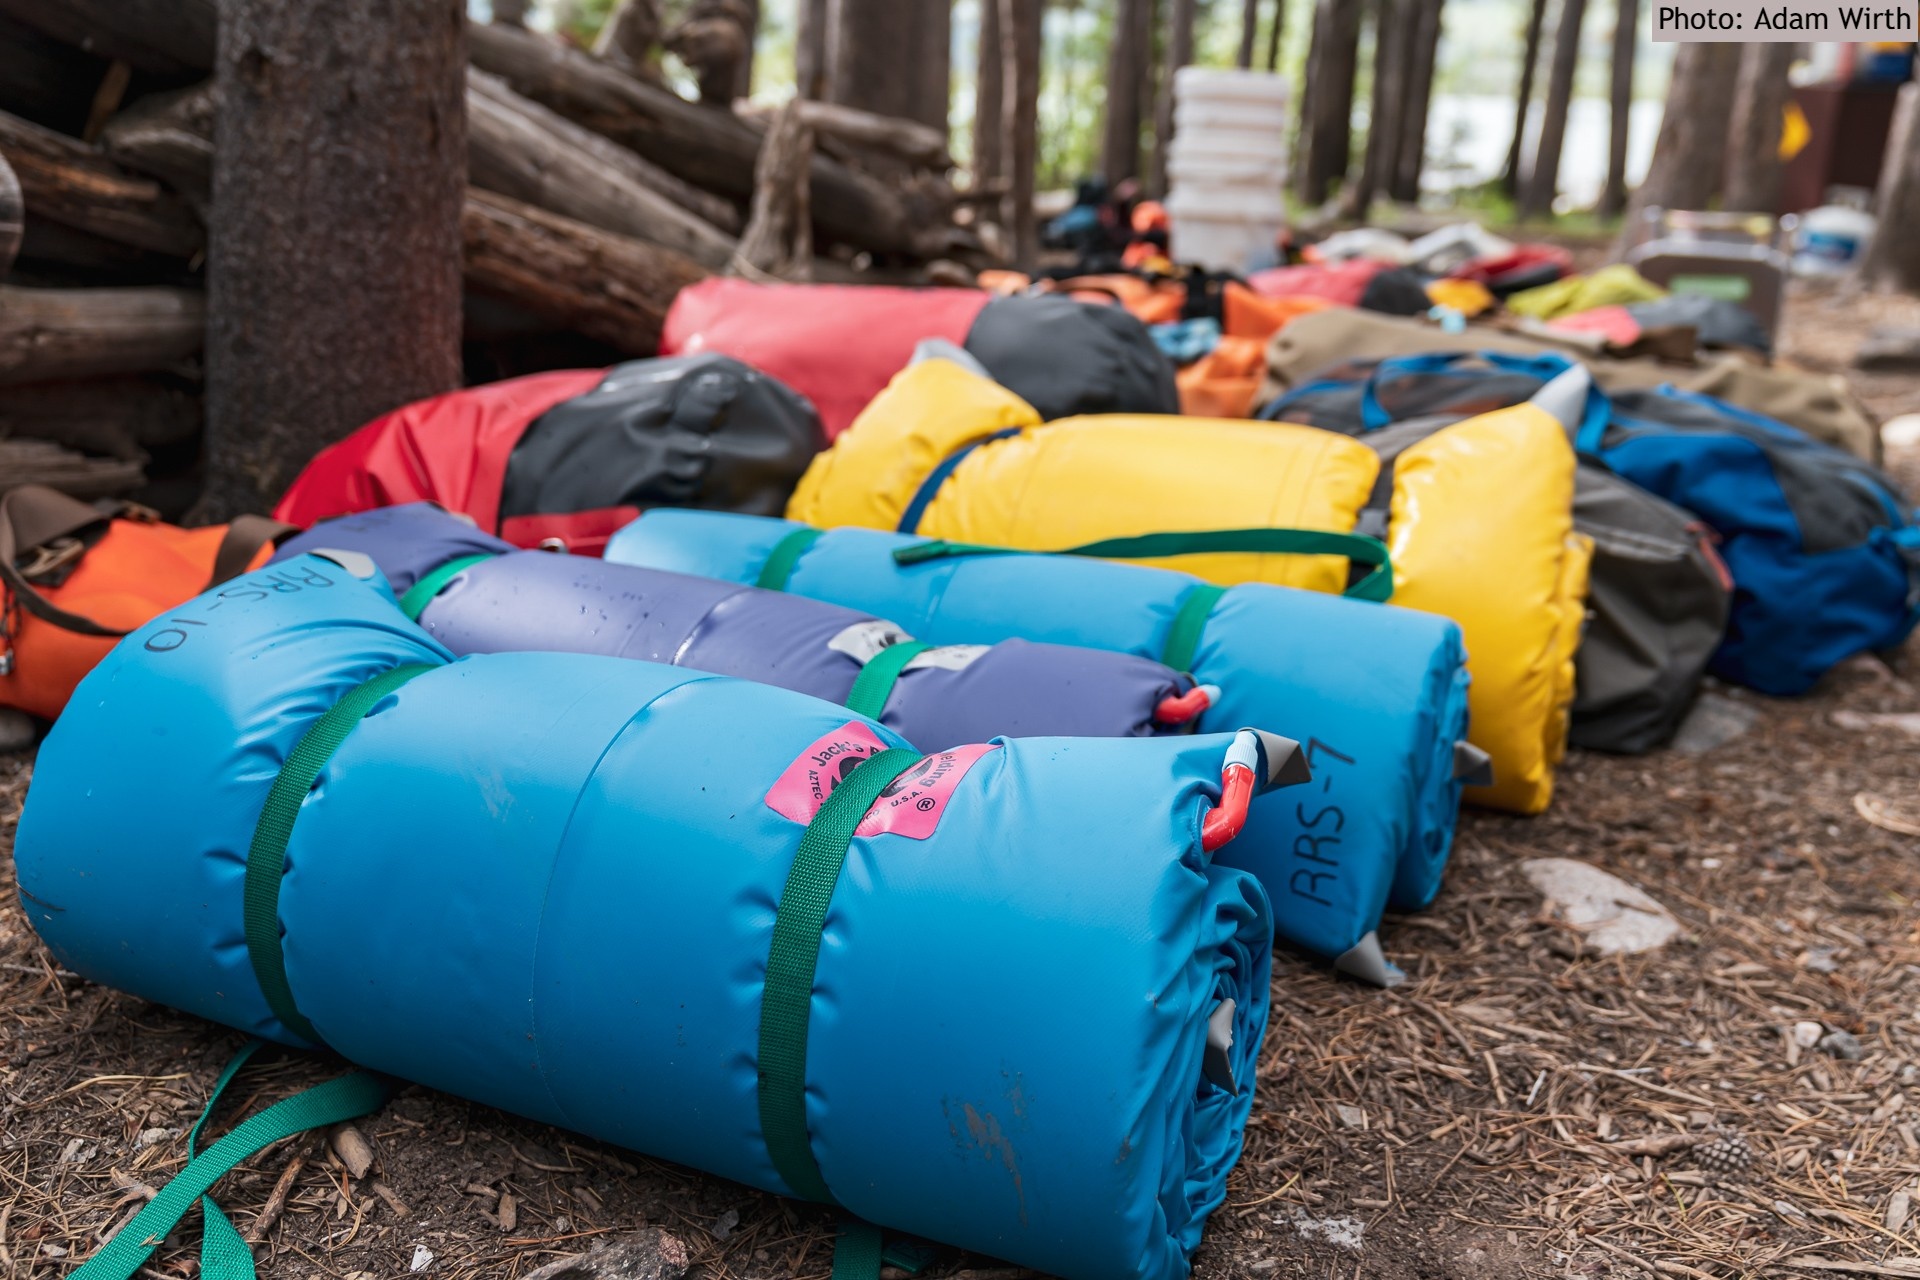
x,y
1822,547
1378,694
721,923
477,594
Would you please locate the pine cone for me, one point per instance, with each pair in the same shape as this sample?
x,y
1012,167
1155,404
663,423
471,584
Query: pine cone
x,y
1726,1154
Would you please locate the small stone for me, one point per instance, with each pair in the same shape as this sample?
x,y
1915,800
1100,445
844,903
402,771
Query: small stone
x,y
154,1137
422,1258
1807,1034
1899,1205
1350,1117
1819,960
1843,1044
723,1225
1714,721
1611,916
17,730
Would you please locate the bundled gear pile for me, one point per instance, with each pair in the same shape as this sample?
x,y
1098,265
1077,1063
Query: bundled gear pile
x,y
78,577
477,594
566,458
629,900
950,455
1821,549
1659,592
1378,694
839,344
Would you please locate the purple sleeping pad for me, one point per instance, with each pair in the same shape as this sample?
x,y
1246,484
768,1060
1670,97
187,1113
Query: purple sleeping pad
x,y
536,600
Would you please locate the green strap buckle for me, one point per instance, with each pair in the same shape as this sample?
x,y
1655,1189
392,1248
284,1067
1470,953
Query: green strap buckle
x,y
267,855
874,685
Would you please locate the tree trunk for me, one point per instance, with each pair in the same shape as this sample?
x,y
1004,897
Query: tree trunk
x,y
1423,52
1626,40
989,93
1020,31
1249,32
1690,154
1128,60
518,148
1180,15
1275,33
743,82
89,333
167,37
68,182
1331,64
813,25
1391,36
334,259
713,150
1892,259
605,286
892,57
630,39
1754,167
1543,176
1523,100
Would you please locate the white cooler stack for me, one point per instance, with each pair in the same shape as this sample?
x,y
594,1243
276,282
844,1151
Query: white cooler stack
x,y
1228,165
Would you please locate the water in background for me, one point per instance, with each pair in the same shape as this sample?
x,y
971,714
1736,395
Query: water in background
x,y
1467,137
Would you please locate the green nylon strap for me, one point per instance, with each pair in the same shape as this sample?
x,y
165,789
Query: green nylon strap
x,y
1357,547
857,1254
874,685
223,1253
330,1103
786,1002
1183,633
784,557
267,855
421,593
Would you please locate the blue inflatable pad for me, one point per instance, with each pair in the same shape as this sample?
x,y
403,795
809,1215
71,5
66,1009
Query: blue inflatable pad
x,y
1378,694
562,873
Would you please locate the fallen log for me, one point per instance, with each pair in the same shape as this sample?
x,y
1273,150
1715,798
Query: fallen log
x,y
109,417
75,474
907,140
12,216
778,240
609,287
168,37
169,136
712,149
66,181
47,334
518,148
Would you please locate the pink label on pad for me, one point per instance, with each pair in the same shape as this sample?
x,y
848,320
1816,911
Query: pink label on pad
x,y
910,806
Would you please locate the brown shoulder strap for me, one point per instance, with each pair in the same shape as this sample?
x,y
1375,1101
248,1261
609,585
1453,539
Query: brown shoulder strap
x,y
245,536
30,517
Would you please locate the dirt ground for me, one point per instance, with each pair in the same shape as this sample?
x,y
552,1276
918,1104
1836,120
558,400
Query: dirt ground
x,y
1520,1108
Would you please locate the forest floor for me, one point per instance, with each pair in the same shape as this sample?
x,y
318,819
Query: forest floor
x,y
1521,1107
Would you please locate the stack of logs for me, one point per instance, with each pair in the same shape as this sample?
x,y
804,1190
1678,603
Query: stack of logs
x,y
596,193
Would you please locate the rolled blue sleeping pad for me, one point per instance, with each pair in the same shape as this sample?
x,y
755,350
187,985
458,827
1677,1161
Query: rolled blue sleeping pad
x,y
550,883
1378,694
514,600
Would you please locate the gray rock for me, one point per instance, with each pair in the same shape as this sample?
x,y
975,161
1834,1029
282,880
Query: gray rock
x,y
1714,721
1842,1044
652,1254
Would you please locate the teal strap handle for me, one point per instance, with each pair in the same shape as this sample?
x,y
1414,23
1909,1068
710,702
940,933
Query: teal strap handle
x,y
431,584
1189,621
874,685
223,1251
1376,585
267,855
785,557
224,1255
